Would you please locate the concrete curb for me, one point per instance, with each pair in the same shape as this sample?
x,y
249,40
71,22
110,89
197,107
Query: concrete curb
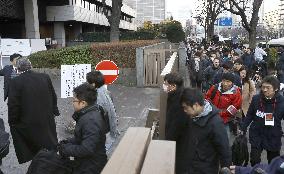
x,y
127,76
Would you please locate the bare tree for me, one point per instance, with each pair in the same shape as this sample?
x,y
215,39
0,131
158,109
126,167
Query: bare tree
x,y
240,7
214,8
113,17
210,10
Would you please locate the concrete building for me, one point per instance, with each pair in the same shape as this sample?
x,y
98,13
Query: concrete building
x,y
281,20
62,20
271,19
148,10
191,27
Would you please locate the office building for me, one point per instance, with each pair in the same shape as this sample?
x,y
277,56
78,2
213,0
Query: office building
x,y
62,20
148,10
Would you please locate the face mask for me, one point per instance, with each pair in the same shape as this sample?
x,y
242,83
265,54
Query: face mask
x,y
165,88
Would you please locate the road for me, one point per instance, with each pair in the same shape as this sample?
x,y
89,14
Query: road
x,y
131,104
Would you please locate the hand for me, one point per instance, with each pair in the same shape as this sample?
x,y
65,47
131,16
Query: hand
x,y
240,132
225,170
63,142
233,169
60,150
56,112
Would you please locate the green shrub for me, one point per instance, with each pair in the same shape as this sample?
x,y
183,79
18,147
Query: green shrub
x,y
104,36
55,57
137,35
272,58
122,53
174,32
95,37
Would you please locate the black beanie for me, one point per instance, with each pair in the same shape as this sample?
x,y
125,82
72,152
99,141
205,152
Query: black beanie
x,y
228,76
228,65
239,61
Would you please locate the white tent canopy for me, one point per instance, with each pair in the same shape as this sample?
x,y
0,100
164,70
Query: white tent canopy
x,y
279,41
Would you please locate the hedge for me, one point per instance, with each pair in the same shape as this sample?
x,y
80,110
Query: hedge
x,y
122,53
272,58
104,36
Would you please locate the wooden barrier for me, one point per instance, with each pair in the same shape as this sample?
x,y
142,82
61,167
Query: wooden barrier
x,y
129,155
160,158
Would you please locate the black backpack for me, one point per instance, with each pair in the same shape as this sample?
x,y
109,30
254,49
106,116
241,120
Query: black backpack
x,y
4,140
105,116
49,162
240,154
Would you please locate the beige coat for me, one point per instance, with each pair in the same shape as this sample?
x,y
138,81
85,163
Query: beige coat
x,y
248,91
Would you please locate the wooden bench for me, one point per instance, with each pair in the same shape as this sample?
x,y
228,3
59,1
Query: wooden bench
x,y
160,158
130,157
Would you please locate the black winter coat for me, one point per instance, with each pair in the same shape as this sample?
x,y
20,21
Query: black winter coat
x,y
32,106
7,72
208,76
176,123
248,60
261,136
88,144
196,75
176,118
206,146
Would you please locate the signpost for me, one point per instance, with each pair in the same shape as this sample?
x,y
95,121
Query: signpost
x,y
225,21
109,69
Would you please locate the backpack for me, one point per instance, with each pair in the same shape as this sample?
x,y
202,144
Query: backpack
x,y
240,154
49,162
4,140
105,117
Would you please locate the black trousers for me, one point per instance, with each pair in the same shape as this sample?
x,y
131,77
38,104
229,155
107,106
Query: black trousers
x,y
255,155
195,83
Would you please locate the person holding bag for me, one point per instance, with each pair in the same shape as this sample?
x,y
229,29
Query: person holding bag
x,y
227,97
264,117
88,144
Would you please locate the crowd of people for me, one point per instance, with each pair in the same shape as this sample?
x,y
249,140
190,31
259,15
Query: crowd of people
x,y
231,93
32,107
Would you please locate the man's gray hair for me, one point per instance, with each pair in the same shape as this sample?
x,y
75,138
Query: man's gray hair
x,y
23,64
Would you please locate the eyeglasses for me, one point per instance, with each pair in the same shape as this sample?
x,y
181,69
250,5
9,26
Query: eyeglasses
x,y
74,101
266,87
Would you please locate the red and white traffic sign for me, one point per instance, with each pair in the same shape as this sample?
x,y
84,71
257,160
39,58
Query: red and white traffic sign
x,y
109,69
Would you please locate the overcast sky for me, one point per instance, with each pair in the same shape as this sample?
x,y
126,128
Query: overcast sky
x,y
180,9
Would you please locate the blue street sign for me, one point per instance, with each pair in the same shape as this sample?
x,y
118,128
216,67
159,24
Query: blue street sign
x,y
225,21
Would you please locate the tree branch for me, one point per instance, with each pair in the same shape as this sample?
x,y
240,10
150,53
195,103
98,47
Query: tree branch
x,y
105,12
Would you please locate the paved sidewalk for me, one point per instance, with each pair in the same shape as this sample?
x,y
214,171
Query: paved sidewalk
x,y
131,105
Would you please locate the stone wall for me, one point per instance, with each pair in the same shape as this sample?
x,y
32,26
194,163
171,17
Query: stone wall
x,y
127,76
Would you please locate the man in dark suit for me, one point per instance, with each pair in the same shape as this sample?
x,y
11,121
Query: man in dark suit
x,y
32,106
9,71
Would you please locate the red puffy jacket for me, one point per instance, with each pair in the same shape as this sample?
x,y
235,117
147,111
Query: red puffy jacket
x,y
223,100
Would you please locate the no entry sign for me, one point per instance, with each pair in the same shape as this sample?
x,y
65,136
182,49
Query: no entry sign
x,y
109,69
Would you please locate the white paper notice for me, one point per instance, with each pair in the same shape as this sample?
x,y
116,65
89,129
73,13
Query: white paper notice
x,y
67,82
81,71
71,77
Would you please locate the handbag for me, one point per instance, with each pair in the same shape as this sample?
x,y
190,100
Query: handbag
x,y
49,162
